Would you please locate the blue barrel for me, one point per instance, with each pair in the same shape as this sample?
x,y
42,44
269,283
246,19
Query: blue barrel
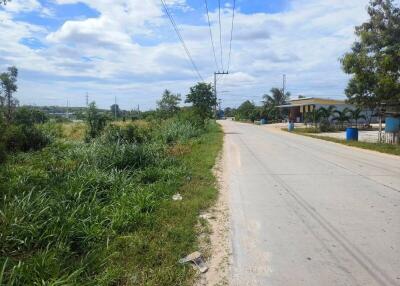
x,y
290,126
392,124
263,121
352,134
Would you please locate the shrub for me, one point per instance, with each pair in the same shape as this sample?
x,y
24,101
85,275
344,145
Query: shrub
x,y
189,115
51,129
128,134
3,152
178,130
325,126
28,116
96,122
24,138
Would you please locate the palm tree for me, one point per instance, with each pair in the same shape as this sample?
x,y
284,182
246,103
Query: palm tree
x,y
277,97
313,116
326,113
341,116
356,115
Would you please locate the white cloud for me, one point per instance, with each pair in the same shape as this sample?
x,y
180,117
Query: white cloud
x,y
305,42
17,6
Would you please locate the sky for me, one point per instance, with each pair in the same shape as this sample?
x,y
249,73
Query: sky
x,y
128,50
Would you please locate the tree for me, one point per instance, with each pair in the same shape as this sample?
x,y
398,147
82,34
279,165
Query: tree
x,y
313,116
341,116
326,113
374,61
247,110
115,111
169,103
271,102
203,99
4,2
356,115
29,117
229,112
8,86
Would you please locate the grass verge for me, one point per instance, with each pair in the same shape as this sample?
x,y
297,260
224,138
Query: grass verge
x,y
155,252
378,147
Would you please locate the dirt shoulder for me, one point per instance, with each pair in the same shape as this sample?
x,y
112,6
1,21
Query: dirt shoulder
x,y
217,244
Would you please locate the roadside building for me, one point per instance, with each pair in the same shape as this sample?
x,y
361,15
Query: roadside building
x,y
297,108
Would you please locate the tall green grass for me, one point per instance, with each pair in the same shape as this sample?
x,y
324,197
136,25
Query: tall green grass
x,y
91,214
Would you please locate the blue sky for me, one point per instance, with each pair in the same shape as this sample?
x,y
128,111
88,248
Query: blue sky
x,y
128,49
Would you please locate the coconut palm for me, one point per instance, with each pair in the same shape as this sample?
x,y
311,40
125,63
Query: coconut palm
x,y
341,116
356,115
277,97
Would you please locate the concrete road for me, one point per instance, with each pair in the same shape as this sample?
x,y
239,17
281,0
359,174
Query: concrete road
x,y
310,212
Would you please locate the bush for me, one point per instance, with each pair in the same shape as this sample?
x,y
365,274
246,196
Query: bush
x,y
96,122
178,130
128,134
28,116
325,126
52,129
189,115
24,138
3,153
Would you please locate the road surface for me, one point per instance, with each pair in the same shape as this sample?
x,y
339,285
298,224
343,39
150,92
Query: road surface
x,y
310,212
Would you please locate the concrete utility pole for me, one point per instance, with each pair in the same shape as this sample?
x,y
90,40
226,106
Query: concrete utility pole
x,y
284,84
215,87
67,109
115,107
87,99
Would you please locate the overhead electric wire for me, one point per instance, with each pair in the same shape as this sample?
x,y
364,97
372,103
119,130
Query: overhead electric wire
x,y
220,33
181,39
230,44
211,36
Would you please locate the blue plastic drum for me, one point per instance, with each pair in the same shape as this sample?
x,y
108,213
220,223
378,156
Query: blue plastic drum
x,y
392,125
352,134
290,126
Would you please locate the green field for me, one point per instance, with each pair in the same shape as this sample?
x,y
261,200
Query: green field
x,y
101,213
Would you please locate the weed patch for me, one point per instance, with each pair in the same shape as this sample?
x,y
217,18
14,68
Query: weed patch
x,y
101,213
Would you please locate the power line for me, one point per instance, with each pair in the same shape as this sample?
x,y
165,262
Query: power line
x,y
220,33
211,36
230,44
181,39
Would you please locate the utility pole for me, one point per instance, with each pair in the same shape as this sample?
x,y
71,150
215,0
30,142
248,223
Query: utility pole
x,y
87,99
115,107
219,104
284,84
67,109
215,87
